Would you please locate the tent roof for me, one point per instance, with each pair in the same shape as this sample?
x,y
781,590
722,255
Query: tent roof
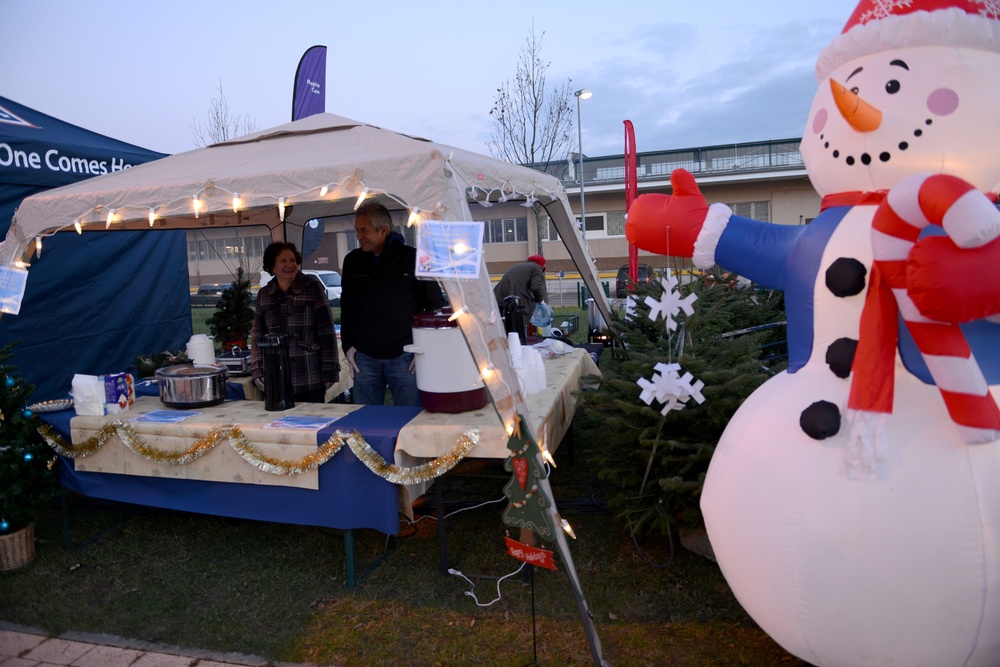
x,y
26,130
284,176
290,163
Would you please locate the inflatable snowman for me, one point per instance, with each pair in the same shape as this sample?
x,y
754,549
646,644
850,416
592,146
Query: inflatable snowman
x,y
853,502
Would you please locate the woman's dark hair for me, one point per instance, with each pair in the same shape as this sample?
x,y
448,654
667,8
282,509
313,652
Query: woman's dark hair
x,y
272,251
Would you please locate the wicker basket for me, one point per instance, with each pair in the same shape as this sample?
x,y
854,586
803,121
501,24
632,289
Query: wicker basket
x,y
17,550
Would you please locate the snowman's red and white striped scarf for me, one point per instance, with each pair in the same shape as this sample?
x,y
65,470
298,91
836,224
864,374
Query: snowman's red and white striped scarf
x,y
910,206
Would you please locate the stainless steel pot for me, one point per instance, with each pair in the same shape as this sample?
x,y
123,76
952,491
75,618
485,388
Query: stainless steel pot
x,y
189,386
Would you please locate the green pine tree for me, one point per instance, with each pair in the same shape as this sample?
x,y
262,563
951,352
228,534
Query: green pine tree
x,y
233,314
657,463
28,476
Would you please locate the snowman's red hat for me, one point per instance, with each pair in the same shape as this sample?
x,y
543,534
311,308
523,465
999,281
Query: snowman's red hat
x,y
883,25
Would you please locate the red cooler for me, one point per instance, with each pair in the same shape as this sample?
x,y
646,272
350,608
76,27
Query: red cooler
x,y
447,376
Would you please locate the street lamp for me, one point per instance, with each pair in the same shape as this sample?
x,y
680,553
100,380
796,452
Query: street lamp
x,y
582,94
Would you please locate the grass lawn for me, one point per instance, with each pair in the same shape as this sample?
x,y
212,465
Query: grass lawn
x,y
280,591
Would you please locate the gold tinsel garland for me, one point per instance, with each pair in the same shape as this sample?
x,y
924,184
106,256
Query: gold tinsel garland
x,y
262,461
408,476
372,459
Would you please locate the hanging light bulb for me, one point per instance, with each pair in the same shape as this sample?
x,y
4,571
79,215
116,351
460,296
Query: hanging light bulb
x,y
196,205
361,199
237,202
457,314
568,528
78,227
547,456
38,246
281,209
488,371
460,248
414,217
111,218
152,217
323,190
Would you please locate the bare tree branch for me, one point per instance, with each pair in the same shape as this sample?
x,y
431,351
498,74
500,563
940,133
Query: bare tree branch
x,y
532,123
221,125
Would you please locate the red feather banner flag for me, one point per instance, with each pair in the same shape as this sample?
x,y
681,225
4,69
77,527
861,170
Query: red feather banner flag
x,y
631,192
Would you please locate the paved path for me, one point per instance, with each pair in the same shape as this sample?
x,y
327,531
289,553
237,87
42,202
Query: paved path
x,y
29,647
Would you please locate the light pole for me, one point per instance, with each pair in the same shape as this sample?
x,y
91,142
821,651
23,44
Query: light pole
x,y
582,94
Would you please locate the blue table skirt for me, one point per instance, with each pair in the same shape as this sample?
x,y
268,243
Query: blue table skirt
x,y
349,495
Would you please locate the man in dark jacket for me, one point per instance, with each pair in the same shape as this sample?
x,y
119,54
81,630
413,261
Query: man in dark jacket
x,y
381,294
526,281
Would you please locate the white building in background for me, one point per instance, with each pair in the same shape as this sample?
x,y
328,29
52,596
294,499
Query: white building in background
x,y
765,180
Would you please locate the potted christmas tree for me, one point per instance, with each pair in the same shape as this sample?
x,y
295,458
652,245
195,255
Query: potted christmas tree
x,y
233,314
28,476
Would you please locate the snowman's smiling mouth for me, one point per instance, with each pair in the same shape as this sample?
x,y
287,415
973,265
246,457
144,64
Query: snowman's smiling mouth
x,y
867,158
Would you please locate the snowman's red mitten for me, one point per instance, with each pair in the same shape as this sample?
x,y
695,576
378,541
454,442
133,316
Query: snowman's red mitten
x,y
668,224
952,284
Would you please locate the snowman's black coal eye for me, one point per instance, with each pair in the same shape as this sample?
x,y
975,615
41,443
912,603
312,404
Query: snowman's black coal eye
x,y
892,87
855,90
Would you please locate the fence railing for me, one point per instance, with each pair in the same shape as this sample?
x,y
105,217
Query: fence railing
x,y
752,157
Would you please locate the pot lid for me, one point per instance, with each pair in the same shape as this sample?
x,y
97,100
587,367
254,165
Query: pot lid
x,y
190,370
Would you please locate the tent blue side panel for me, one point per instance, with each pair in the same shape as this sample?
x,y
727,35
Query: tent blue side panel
x,y
93,301
110,297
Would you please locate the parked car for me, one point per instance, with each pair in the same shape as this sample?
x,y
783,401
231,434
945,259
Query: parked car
x,y
331,280
208,295
644,276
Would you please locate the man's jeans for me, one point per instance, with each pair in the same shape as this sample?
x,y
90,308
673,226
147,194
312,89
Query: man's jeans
x,y
374,375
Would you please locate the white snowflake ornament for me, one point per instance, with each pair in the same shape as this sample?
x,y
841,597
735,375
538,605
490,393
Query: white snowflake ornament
x,y
670,303
670,388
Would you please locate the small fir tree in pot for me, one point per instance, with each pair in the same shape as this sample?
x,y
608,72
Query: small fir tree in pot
x,y
233,314
29,479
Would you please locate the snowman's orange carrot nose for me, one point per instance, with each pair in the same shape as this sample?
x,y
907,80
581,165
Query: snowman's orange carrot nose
x,y
862,116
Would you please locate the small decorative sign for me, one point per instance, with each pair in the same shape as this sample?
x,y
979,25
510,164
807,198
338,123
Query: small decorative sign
x,y
530,555
447,249
12,283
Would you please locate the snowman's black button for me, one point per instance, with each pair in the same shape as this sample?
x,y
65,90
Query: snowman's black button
x,y
840,356
846,277
820,420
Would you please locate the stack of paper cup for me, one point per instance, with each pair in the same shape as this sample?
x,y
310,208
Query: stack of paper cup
x,y
528,364
201,350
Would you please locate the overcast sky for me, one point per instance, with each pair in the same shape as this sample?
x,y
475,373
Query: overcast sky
x,y
686,74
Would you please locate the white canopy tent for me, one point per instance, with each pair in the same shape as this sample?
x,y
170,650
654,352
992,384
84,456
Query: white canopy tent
x,y
313,168
319,167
